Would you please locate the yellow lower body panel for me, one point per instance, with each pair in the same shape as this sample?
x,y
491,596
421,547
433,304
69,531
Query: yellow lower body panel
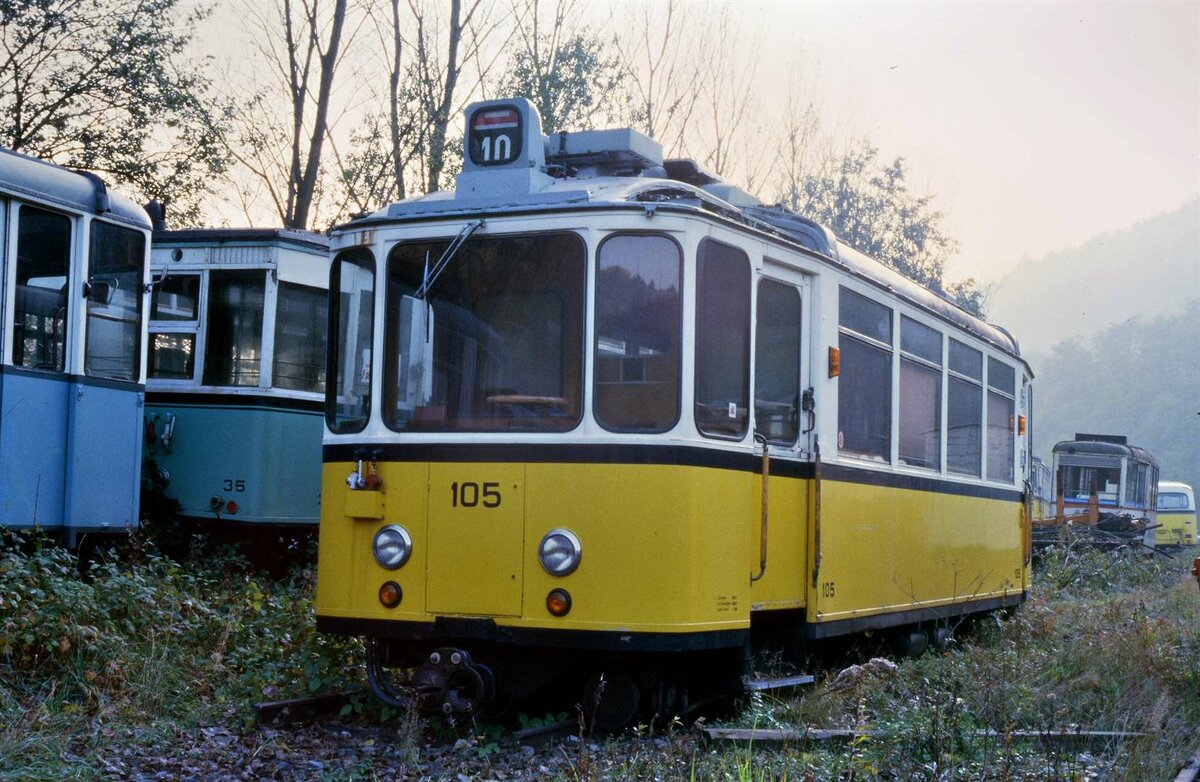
x,y
1175,529
888,550
665,548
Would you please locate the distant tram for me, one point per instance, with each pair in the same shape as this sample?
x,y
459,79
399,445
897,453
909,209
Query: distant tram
x,y
1176,514
1103,483
75,263
595,418
1041,489
236,381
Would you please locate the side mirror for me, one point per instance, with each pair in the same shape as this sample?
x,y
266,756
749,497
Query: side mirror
x,y
100,290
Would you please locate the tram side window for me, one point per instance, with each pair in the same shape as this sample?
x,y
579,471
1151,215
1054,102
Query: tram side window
x,y
1001,445
865,382
638,332
233,346
352,323
40,317
722,340
176,298
920,395
964,413
301,318
116,260
1137,488
777,363
174,304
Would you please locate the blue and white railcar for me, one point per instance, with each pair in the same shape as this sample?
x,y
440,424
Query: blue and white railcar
x,y
75,261
237,372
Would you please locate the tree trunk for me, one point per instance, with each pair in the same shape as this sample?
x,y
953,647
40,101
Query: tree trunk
x,y
306,186
394,92
437,141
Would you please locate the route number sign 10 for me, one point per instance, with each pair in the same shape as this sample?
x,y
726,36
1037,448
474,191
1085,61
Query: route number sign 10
x,y
495,136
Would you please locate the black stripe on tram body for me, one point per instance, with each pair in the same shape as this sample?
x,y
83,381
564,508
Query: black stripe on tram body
x,y
192,399
668,455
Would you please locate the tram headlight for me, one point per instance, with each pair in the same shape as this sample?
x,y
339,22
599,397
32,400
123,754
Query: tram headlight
x,y
560,552
392,546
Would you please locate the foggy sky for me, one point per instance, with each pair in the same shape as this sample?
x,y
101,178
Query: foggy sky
x,y
1038,125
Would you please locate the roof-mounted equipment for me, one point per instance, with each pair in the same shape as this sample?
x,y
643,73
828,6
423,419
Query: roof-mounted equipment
x,y
615,152
1114,439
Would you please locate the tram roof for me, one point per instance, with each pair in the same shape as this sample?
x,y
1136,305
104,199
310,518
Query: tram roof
x,y
1103,448
50,184
654,193
242,236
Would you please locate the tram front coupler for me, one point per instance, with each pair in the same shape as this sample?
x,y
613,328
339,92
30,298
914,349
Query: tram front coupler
x,y
450,682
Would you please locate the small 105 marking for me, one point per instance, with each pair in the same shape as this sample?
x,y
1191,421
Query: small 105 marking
x,y
469,494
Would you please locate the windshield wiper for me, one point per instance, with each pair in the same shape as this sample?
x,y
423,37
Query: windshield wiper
x,y
431,275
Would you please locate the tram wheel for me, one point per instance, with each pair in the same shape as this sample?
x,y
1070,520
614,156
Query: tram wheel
x,y
611,700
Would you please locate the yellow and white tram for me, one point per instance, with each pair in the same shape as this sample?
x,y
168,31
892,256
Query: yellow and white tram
x,y
1176,515
599,413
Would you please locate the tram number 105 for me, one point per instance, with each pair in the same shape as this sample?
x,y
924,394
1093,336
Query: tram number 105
x,y
469,494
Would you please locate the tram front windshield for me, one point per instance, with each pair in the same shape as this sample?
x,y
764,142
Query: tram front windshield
x,y
497,341
1080,483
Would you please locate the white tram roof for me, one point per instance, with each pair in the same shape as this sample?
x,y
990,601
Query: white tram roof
x,y
52,185
306,240
1090,445
647,182
1174,486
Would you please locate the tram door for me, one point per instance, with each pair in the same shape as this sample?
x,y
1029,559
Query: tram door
x,y
33,380
105,400
782,415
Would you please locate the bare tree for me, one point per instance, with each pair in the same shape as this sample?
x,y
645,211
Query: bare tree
x,y
660,74
438,58
801,150
300,41
573,76
726,96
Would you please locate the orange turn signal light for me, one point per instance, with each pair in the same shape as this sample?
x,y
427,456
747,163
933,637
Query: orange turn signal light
x,y
558,602
835,362
1021,424
390,594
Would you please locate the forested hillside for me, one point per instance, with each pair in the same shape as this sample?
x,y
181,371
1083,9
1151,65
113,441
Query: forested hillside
x,y
1150,269
1139,377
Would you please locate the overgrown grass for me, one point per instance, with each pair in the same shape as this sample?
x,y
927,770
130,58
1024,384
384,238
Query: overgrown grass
x,y
1110,641
139,646
141,649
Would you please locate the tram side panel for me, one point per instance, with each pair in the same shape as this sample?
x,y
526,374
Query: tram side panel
x,y
33,436
891,555
261,459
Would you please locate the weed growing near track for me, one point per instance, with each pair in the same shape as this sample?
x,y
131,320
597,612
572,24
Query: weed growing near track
x,y
1109,641
147,659
140,645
